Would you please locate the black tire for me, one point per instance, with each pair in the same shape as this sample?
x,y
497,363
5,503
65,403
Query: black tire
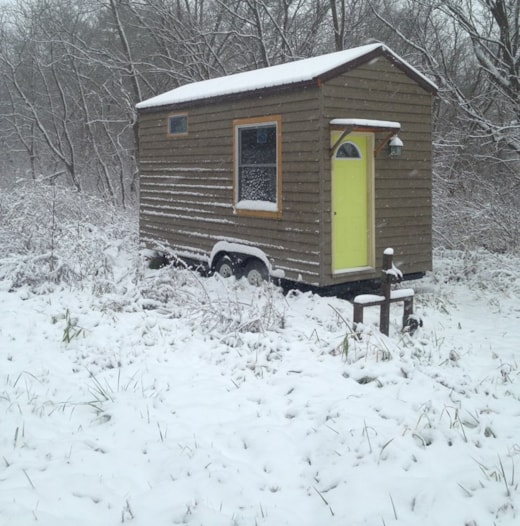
x,y
225,267
255,272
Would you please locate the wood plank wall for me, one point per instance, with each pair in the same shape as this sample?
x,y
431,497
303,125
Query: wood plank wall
x,y
403,192
186,182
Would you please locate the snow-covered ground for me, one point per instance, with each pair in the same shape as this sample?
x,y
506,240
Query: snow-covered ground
x,y
157,397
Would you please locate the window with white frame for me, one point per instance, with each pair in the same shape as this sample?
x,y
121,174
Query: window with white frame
x,y
257,165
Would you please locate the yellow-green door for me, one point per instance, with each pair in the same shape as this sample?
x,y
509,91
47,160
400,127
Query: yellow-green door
x,y
351,202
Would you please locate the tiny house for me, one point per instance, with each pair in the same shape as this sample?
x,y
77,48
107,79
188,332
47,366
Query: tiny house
x,y
303,171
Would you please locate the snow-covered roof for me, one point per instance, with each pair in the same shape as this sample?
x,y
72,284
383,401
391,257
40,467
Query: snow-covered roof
x,y
367,123
299,71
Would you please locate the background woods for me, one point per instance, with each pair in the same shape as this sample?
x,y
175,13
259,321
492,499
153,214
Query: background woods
x,y
71,72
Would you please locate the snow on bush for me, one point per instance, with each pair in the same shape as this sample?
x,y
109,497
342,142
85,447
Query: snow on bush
x,y
51,234
479,268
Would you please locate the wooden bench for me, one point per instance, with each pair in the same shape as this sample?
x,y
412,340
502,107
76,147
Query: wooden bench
x,y
370,300
390,275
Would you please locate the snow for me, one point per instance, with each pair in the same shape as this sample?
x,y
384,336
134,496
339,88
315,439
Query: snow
x,y
257,205
394,271
366,123
396,295
226,246
402,293
165,213
280,75
131,395
190,169
364,299
395,141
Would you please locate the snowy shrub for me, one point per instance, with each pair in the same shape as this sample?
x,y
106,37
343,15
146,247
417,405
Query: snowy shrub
x,y
481,269
51,234
213,304
476,203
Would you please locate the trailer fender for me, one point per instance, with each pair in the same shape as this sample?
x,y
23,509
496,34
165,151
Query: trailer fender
x,y
239,251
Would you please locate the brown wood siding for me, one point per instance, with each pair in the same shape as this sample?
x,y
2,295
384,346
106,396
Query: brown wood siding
x,y
186,183
402,187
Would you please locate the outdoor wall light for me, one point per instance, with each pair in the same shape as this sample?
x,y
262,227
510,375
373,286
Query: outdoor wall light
x,y
395,147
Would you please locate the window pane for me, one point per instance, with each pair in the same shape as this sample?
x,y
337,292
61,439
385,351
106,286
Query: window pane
x,y
348,150
258,145
178,124
257,183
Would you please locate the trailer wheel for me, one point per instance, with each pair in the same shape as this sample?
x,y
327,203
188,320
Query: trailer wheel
x,y
224,266
255,272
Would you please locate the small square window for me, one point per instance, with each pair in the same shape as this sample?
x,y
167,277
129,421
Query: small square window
x,y
178,124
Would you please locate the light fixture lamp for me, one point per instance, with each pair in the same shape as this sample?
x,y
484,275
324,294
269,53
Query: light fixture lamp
x,y
395,147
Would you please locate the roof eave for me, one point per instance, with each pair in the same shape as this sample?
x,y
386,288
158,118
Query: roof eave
x,y
271,90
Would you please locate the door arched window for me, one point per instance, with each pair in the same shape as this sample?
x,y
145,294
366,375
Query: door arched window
x,y
348,150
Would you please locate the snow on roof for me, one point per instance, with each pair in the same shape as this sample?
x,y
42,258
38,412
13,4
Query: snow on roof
x,y
280,75
366,123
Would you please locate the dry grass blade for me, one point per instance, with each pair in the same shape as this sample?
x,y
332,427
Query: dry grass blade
x,y
29,479
393,506
508,491
324,500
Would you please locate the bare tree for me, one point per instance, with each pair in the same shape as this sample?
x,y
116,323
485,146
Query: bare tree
x,y
64,97
353,23
36,88
472,49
